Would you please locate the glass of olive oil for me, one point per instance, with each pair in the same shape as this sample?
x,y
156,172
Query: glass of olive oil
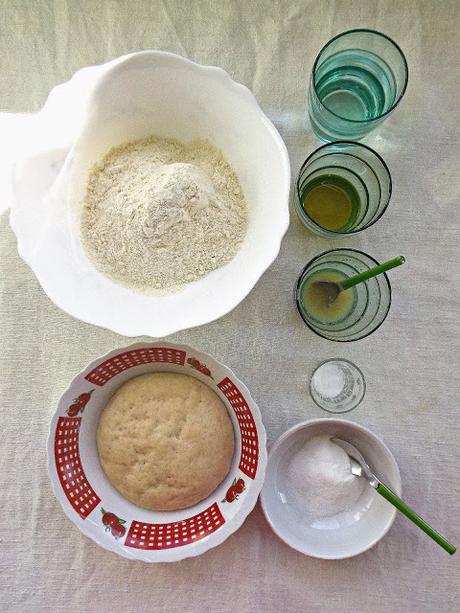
x,y
342,189
358,311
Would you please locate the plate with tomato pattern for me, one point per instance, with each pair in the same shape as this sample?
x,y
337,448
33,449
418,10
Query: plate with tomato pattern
x,y
100,511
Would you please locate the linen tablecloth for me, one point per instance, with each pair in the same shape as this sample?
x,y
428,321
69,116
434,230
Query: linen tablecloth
x,y
410,363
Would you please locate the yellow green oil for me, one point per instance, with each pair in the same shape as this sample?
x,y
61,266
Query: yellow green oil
x,y
332,202
315,302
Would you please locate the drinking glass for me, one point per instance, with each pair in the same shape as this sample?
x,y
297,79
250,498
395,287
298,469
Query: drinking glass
x,y
355,169
358,79
337,385
370,302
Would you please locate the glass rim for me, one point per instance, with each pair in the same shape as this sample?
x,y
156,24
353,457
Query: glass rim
x,y
354,144
338,360
394,105
344,340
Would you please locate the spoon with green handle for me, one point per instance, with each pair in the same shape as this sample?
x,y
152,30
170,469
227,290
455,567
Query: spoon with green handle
x,y
360,468
332,289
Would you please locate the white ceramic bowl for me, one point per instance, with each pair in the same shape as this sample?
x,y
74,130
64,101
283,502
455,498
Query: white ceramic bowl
x,y
89,499
348,533
132,97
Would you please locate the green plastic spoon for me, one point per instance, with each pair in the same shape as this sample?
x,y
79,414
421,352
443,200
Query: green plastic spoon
x,y
360,468
332,289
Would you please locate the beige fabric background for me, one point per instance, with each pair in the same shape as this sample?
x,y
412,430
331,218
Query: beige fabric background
x,y
411,363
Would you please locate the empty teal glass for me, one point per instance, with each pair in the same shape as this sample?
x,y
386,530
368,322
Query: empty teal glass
x,y
358,79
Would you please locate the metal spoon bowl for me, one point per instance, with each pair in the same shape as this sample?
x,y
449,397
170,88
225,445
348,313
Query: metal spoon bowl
x,y
332,289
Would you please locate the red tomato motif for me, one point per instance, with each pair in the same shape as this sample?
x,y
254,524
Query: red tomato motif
x,y
230,495
109,519
73,410
118,530
84,398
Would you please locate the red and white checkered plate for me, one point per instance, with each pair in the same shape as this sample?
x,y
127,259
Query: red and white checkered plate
x,y
93,504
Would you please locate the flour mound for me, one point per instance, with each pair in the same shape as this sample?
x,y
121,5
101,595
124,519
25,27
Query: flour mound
x,y
176,193
159,214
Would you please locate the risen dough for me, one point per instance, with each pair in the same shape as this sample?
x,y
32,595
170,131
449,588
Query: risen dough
x,y
165,441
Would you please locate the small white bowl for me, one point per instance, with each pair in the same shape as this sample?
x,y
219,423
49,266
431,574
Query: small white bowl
x,y
89,499
132,97
348,533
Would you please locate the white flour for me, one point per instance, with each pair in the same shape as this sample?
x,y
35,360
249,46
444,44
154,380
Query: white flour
x,y
320,477
159,214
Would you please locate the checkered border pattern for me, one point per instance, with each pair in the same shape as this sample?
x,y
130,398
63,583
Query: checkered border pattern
x,y
249,440
122,361
176,534
71,475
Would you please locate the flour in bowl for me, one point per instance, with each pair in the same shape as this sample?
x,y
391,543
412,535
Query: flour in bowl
x,y
159,213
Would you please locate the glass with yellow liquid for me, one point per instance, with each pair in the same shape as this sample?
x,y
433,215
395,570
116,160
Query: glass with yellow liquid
x,y
342,189
358,311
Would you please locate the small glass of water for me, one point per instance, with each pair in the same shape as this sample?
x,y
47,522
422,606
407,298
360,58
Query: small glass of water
x,y
337,386
358,79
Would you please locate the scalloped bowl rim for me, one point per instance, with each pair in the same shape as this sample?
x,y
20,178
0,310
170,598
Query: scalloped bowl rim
x,y
247,282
